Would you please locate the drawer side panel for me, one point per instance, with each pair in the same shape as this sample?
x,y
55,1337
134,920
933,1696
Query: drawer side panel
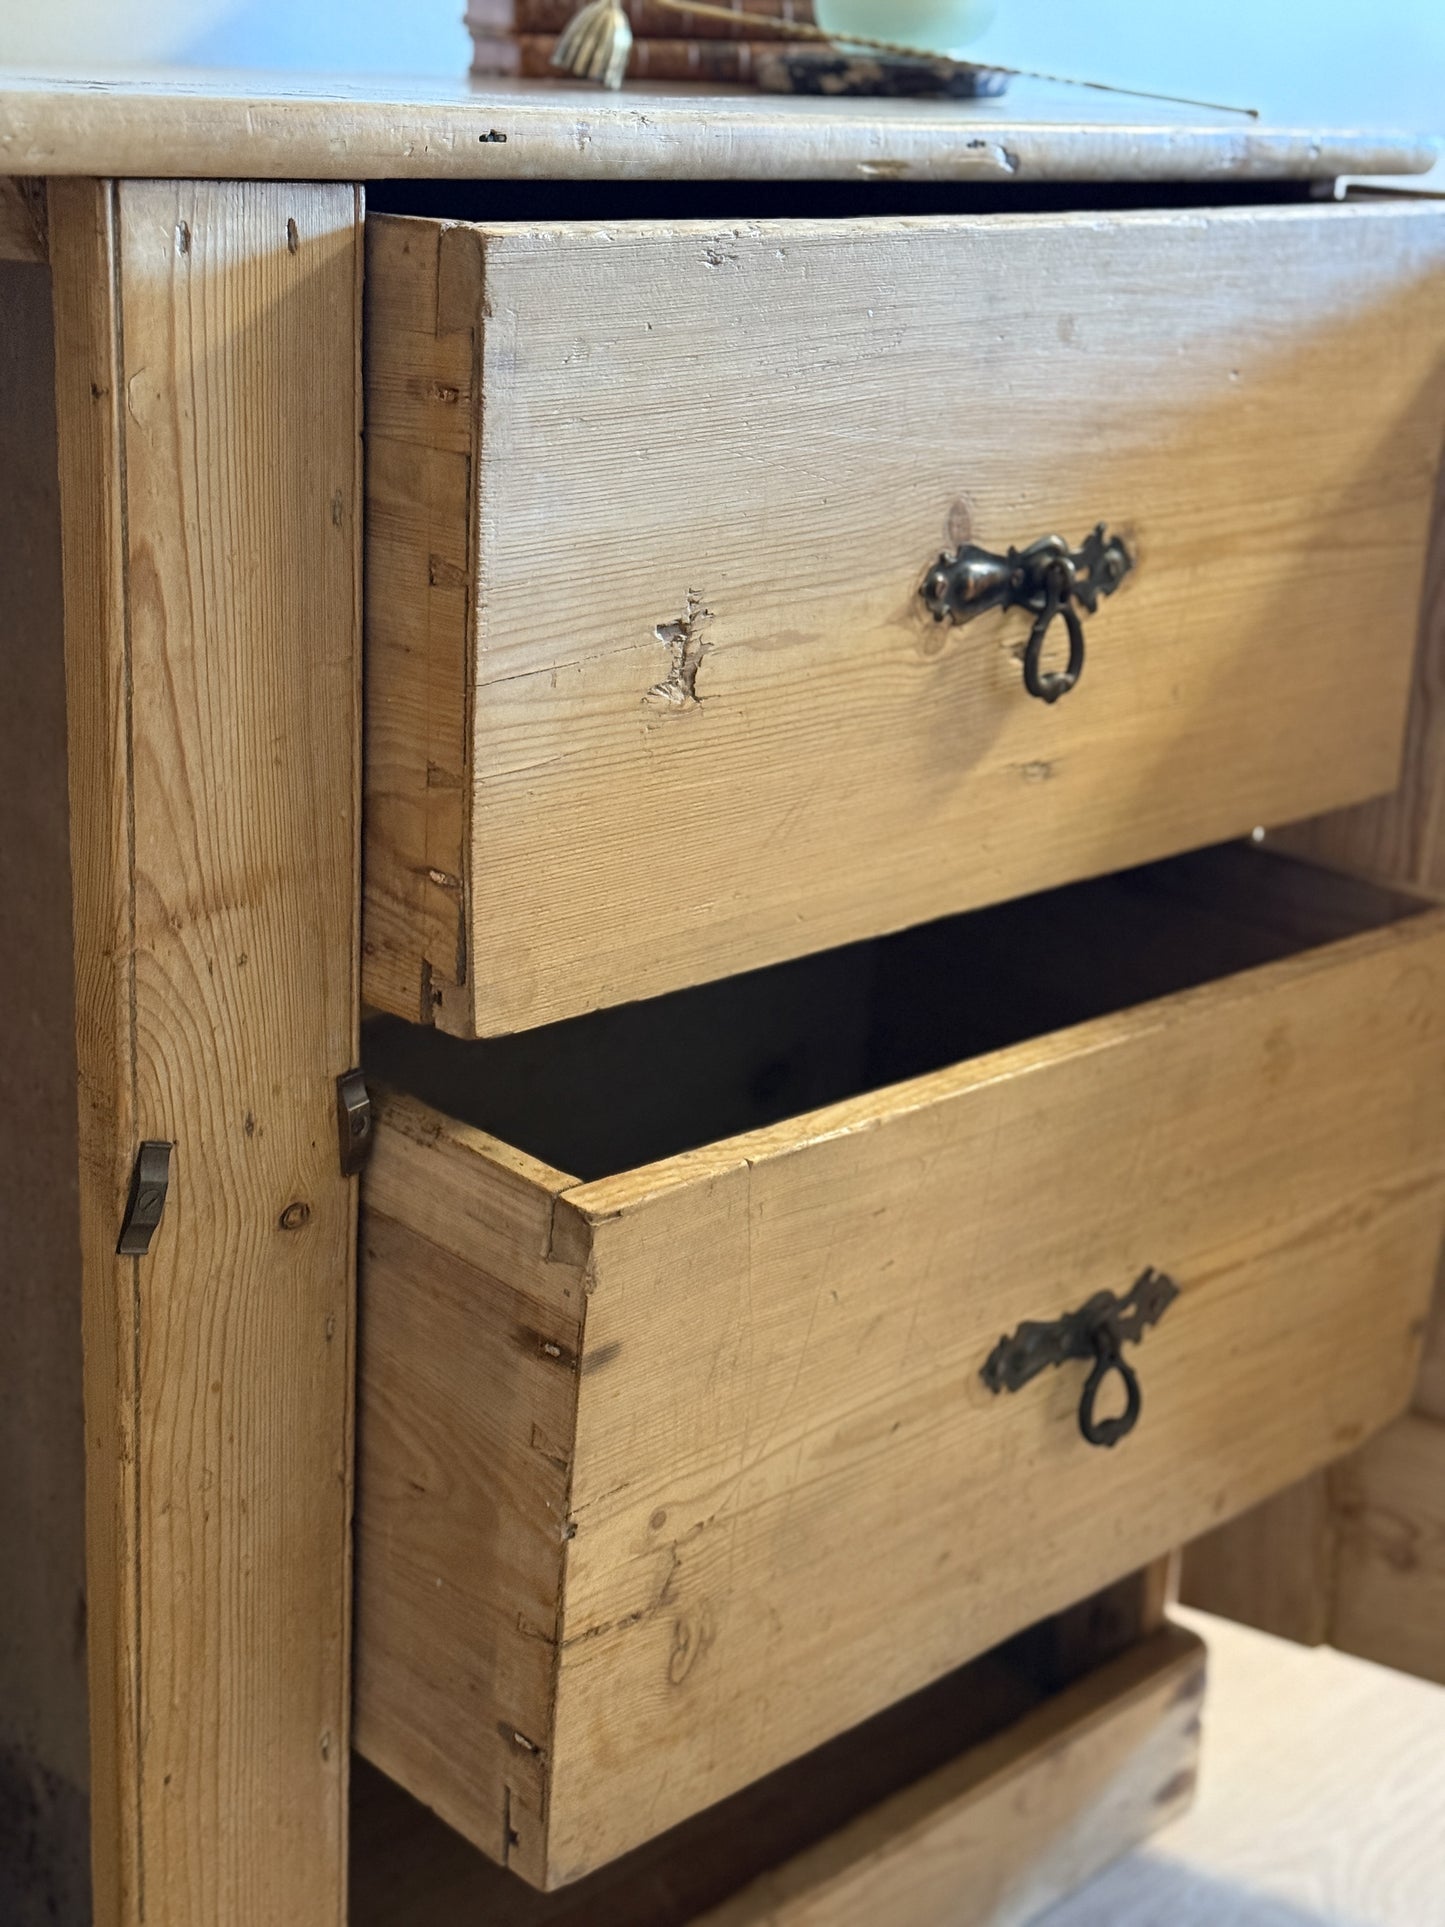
x,y
419,516
466,1415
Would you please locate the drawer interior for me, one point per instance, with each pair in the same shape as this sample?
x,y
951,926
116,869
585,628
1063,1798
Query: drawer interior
x,y
629,1086
539,201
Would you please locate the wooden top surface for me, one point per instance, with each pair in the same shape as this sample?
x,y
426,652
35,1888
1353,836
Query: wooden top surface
x,y
256,126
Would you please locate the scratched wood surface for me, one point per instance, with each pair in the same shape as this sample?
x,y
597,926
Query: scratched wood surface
x,y
44,1740
779,1363
207,375
705,721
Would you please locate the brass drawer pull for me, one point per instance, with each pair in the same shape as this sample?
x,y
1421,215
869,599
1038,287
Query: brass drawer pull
x,y
1098,1330
1048,578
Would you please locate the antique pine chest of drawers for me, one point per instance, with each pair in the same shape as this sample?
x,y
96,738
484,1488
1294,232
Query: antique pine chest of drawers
x,y
867,1156
862,1059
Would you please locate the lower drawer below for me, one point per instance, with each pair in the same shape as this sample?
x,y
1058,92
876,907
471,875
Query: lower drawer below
x,y
990,1838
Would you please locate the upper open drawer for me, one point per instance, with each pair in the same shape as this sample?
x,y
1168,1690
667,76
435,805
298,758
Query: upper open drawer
x,y
654,690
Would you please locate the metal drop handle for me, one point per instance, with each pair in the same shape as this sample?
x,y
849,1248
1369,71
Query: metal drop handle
x,y
1048,578
1098,1330
1108,1360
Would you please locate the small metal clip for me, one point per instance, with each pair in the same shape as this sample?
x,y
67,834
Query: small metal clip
x,y
353,1121
1097,1331
149,1182
1048,578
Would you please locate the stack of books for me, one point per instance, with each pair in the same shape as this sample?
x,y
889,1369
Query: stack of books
x,y
518,37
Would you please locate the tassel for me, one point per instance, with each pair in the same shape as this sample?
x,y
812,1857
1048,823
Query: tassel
x,y
597,44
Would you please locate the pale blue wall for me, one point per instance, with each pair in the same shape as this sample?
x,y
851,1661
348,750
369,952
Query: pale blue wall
x,y
338,36
1333,60
1298,59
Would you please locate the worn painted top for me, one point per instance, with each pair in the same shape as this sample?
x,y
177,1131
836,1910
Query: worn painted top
x,y
303,127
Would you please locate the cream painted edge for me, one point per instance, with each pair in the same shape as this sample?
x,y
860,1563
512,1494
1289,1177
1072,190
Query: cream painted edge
x,y
268,127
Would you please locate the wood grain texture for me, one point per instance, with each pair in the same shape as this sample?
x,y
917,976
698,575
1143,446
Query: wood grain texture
x,y
23,234
420,547
844,1283
465,1441
779,1363
44,1735
1296,1567
410,1871
208,382
708,722
285,126
996,1839
1400,837
1389,1510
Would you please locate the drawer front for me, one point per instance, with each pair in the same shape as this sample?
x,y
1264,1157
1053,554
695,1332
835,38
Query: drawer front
x,y
653,693
667,1477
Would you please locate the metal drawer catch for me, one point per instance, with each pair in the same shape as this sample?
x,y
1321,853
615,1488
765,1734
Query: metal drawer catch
x,y
1098,1330
1048,578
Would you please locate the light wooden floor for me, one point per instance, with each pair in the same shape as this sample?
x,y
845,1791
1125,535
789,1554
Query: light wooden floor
x,y
1322,1801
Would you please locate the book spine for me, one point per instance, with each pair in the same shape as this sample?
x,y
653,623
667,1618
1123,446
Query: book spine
x,y
491,18
649,21
723,63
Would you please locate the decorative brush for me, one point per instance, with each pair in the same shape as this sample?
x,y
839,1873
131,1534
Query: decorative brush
x,y
598,44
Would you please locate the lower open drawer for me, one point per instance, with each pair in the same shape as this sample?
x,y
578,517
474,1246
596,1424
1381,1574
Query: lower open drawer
x,y
978,1803
675,1462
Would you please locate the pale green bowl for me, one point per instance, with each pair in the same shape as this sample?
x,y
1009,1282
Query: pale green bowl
x,y
937,26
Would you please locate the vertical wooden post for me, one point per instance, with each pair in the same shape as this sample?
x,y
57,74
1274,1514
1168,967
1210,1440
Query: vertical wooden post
x,y
207,346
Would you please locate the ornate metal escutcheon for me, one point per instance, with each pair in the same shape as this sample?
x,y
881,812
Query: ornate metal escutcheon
x,y
1097,1330
1048,578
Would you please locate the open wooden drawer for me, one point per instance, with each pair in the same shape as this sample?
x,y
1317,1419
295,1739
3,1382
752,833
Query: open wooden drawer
x,y
976,1803
654,694
676,1466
